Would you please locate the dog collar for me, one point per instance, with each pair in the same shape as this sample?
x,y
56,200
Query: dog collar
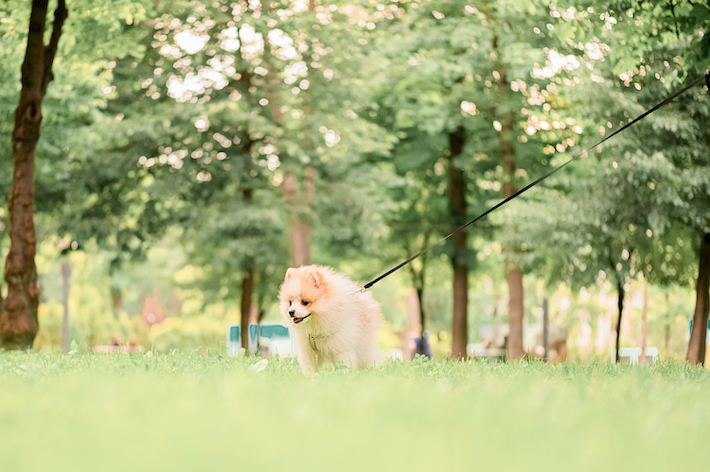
x,y
312,340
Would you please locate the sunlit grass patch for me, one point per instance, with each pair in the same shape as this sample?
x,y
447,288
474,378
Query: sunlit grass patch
x,y
208,412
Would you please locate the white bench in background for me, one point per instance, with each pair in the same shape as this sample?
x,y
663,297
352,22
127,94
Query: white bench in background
x,y
631,355
266,339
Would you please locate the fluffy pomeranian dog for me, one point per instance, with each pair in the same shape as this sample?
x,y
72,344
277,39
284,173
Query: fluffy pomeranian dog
x,y
331,318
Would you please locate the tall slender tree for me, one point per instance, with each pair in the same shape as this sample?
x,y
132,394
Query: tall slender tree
x,y
18,318
697,343
459,257
66,269
509,164
299,204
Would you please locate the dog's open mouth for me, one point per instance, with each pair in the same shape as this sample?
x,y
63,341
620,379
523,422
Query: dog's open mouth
x,y
297,320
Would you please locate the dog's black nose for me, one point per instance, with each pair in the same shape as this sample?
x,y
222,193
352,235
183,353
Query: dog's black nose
x,y
292,313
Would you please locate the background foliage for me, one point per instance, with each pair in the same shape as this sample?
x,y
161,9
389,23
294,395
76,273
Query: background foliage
x,y
170,128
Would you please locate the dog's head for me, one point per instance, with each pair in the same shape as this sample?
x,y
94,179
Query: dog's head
x,y
301,292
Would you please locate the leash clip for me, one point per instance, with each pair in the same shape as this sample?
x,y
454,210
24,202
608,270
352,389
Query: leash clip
x,y
360,289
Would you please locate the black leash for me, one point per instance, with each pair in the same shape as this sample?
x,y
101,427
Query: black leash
x,y
540,179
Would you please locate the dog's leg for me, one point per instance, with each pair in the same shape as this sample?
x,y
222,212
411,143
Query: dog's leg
x,y
307,359
371,356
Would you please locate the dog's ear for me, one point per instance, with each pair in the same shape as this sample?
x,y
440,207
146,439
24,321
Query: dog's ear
x,y
289,273
318,277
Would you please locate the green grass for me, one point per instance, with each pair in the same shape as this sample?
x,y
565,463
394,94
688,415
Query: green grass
x,y
210,413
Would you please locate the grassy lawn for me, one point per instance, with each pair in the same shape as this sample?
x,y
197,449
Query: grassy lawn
x,y
210,413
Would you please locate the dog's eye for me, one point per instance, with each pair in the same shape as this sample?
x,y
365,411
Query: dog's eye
x,y
290,302
304,303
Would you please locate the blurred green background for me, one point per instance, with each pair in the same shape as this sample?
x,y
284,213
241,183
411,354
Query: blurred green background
x,y
186,145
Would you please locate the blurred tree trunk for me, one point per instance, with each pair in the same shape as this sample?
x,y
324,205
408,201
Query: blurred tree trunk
x,y
644,325
247,285
66,267
2,238
620,304
422,347
667,328
18,319
116,301
262,298
696,346
459,256
418,278
299,203
508,158
546,329
247,291
515,311
244,86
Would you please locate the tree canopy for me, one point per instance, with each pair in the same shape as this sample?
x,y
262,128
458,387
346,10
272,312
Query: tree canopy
x,y
379,127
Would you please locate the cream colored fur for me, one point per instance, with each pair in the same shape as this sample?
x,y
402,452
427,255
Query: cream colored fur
x,y
338,323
